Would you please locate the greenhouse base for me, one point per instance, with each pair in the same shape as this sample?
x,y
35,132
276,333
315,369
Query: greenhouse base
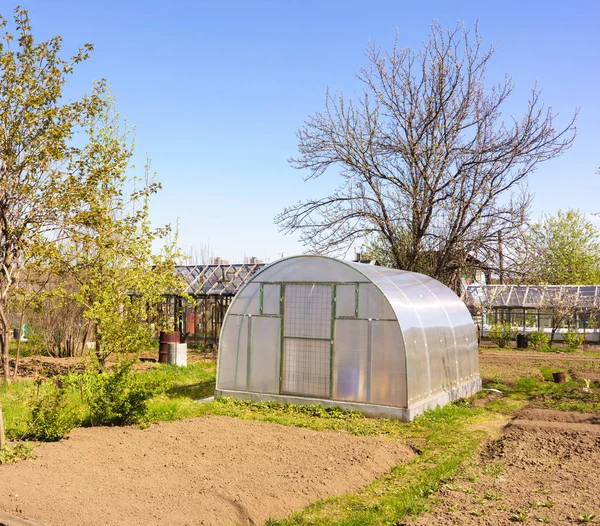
x,y
383,411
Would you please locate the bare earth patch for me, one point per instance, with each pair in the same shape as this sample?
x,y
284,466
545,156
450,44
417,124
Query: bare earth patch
x,y
211,470
544,469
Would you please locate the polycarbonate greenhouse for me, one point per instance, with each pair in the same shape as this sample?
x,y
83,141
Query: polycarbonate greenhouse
x,y
317,330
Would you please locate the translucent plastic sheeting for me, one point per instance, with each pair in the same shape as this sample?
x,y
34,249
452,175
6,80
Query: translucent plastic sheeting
x,y
271,299
388,368
373,304
309,269
233,352
345,304
247,301
351,371
437,329
265,350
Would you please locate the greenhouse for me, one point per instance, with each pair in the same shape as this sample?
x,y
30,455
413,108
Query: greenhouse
x,y
317,330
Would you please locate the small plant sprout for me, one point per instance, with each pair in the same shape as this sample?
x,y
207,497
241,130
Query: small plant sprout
x,y
520,516
587,383
490,495
586,517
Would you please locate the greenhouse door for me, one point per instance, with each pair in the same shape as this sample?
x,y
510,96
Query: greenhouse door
x,y
307,340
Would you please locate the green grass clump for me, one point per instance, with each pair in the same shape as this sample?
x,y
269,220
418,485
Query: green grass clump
x,y
16,452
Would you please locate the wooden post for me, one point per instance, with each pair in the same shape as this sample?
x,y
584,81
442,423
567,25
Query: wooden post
x,y
2,437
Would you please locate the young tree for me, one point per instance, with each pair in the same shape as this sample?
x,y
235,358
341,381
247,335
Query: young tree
x,y
121,281
564,250
36,128
428,163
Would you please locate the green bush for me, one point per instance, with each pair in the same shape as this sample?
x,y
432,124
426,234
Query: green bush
x,y
52,417
573,339
502,334
119,397
538,340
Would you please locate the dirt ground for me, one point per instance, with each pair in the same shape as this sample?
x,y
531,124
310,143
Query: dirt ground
x,y
31,367
544,468
205,471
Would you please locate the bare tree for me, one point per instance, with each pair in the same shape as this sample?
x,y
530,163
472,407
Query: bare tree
x,y
429,167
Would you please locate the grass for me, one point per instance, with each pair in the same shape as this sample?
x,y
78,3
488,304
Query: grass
x,y
181,385
444,439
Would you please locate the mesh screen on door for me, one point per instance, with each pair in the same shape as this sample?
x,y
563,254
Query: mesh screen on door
x,y
307,345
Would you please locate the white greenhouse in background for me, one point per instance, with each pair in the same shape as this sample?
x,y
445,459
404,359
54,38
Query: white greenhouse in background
x,y
313,329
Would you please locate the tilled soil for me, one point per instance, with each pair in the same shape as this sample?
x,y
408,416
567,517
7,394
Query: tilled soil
x,y
205,471
544,468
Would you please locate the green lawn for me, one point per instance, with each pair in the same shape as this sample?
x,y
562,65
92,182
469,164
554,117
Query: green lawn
x,y
444,439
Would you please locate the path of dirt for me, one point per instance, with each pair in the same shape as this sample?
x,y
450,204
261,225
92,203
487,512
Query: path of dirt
x,y
511,357
205,471
544,468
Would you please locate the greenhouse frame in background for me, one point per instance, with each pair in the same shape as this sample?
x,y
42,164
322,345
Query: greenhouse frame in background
x,y
311,329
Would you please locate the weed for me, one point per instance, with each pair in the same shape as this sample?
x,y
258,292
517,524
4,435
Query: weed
x,y
20,451
586,517
490,495
520,516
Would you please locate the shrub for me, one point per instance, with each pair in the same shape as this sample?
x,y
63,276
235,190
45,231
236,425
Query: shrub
x,y
119,397
573,339
539,340
52,417
502,334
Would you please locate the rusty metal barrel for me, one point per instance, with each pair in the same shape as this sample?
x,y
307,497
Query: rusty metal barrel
x,y
165,339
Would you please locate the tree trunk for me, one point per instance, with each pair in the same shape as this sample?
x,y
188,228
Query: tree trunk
x,y
4,328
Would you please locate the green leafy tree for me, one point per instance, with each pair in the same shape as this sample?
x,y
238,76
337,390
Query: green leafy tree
x,y
564,250
37,126
121,280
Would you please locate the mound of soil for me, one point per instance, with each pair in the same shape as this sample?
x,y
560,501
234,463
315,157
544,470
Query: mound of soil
x,y
211,470
544,468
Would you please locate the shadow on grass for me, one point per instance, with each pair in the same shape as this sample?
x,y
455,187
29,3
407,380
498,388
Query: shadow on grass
x,y
194,391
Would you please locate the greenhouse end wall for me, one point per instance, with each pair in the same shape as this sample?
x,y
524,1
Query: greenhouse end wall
x,y
312,329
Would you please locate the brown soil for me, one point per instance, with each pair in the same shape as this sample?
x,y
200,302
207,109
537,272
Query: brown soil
x,y
31,367
211,470
528,356
543,469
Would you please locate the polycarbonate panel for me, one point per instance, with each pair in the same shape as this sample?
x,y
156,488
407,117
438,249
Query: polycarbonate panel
x,y
265,355
351,367
388,368
308,311
372,303
308,268
271,299
306,367
233,352
345,301
420,304
247,301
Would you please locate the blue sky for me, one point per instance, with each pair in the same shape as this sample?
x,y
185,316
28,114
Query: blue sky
x,y
217,90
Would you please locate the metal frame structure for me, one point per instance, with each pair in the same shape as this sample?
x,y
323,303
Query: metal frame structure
x,y
398,343
534,307
213,287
